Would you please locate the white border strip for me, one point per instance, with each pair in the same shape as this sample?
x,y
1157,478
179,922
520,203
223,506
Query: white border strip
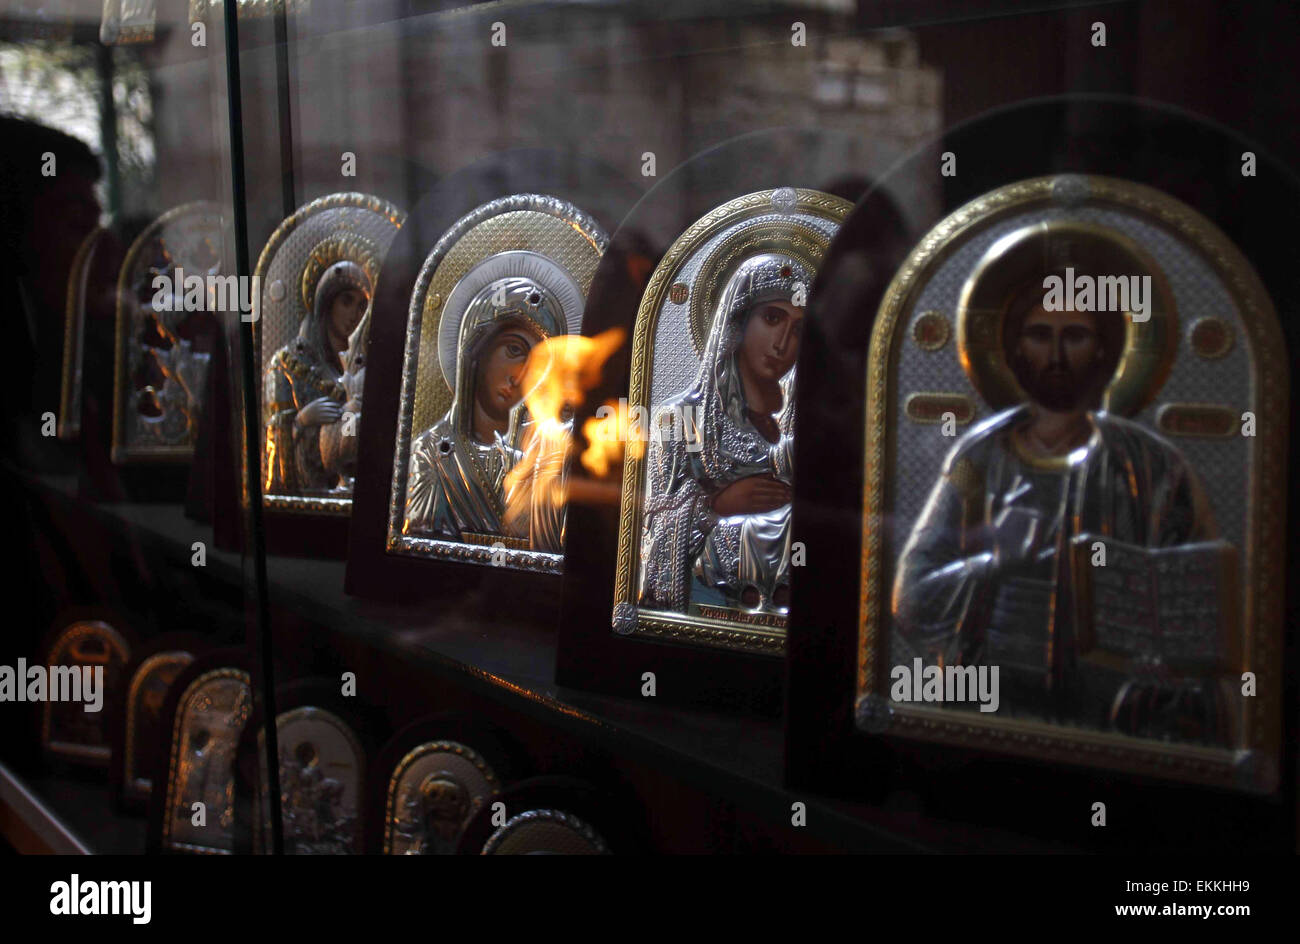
x,y
39,818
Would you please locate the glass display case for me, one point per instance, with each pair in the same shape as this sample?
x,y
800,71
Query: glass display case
x,y
407,455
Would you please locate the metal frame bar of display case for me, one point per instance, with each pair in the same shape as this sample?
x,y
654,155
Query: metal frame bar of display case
x,y
256,536
29,825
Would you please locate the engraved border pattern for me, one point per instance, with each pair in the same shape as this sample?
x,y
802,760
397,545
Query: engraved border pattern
x,y
568,820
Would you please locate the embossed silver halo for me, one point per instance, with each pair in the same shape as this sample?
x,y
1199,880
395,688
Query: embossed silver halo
x,y
520,263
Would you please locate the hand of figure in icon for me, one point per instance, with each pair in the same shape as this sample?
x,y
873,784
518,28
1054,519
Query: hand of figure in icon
x,y
1018,537
752,495
320,412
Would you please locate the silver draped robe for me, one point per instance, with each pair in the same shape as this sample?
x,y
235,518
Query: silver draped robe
x,y
705,442
956,602
459,488
455,484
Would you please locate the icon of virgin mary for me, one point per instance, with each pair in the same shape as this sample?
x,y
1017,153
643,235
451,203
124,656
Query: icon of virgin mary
x,y
717,513
459,467
304,390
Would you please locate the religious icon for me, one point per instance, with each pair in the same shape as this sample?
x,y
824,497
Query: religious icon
x,y
545,832
490,382
144,723
316,277
86,660
173,281
704,540
1078,564
301,383
321,766
80,296
199,815
434,792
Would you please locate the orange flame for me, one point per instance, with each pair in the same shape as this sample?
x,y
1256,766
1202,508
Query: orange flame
x,y
605,437
559,372
562,369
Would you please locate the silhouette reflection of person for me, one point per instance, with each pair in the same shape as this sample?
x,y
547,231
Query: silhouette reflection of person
x,y
47,207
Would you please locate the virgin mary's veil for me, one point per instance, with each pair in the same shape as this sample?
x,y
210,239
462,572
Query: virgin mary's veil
x,y
682,535
512,301
455,486
718,389
338,278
